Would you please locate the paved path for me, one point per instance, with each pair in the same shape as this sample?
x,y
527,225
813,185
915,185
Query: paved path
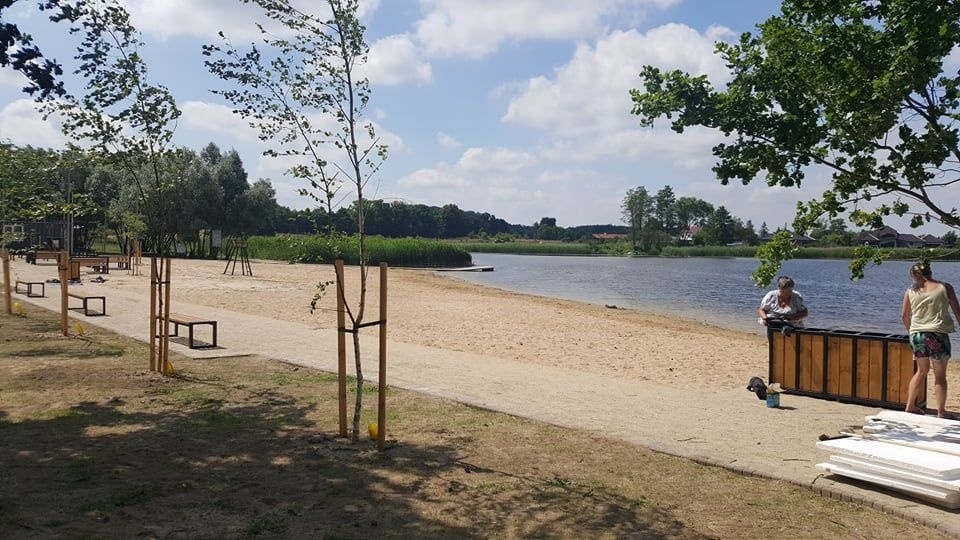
x,y
728,428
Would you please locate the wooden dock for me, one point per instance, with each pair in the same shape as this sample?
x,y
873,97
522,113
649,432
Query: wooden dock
x,y
467,269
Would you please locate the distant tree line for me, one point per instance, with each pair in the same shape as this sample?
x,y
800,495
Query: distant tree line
x,y
661,219
213,192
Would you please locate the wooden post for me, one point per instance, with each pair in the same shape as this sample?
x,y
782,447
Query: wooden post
x,y
153,314
382,391
165,340
341,348
5,255
63,266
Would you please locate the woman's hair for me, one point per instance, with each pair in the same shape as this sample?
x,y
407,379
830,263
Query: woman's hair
x,y
784,282
922,268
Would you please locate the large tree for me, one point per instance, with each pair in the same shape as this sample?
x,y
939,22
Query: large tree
x,y
856,87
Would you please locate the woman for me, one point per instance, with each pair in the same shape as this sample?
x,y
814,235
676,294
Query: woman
x,y
926,316
783,304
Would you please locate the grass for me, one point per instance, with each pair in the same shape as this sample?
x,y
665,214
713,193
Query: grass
x,y
410,252
247,447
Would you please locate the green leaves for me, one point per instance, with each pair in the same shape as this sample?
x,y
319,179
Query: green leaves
x,y
850,86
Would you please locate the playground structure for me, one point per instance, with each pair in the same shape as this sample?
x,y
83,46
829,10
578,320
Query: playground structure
x,y
342,332
237,250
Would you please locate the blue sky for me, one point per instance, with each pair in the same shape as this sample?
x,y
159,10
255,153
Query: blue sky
x,y
519,108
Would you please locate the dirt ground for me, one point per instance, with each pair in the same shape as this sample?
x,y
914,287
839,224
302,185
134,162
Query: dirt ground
x,y
94,445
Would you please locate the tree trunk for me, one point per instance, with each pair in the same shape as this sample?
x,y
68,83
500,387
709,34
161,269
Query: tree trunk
x,y
359,401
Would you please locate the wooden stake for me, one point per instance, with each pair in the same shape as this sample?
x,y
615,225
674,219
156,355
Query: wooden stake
x,y
63,266
5,255
382,393
165,340
341,348
153,314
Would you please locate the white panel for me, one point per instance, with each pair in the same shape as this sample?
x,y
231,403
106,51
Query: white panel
x,y
943,466
895,472
932,494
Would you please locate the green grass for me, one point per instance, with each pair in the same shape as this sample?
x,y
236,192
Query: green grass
x,y
326,249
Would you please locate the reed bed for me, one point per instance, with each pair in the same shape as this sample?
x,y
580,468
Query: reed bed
x,y
408,252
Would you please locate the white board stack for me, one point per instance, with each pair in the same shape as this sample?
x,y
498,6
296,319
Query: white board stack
x,y
915,454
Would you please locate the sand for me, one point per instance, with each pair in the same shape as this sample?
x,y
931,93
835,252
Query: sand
x,y
438,310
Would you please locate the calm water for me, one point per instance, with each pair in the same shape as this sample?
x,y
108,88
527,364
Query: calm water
x,y
715,290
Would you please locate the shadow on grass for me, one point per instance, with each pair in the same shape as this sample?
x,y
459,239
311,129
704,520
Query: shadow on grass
x,y
263,469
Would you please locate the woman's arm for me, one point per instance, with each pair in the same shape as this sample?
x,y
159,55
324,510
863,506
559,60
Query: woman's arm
x,y
952,297
905,310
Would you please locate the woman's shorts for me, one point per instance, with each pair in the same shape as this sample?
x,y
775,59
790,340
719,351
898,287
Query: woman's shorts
x,y
931,345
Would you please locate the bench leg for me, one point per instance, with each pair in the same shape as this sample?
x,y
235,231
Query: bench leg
x,y
214,334
176,329
190,332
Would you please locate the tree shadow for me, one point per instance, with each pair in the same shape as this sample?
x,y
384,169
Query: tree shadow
x,y
262,468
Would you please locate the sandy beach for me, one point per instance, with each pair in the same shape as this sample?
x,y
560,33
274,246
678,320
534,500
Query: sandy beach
x,y
438,310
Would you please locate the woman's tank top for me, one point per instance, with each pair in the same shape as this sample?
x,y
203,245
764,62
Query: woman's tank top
x,y
930,311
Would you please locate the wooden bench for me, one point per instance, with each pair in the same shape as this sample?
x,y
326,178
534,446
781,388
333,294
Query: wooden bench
x,y
123,261
179,320
46,254
86,298
99,264
29,288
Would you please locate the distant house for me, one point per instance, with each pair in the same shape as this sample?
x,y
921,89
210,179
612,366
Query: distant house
x,y
798,239
888,237
686,235
931,241
603,237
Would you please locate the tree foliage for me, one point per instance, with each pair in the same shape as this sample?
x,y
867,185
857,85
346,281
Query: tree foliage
x,y
126,121
305,97
856,87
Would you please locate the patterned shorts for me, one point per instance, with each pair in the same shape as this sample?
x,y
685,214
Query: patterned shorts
x,y
931,345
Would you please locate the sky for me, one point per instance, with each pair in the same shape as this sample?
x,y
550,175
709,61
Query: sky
x,y
519,108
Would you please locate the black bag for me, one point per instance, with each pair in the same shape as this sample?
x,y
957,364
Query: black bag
x,y
757,386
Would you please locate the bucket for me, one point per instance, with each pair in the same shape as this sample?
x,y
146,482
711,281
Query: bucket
x,y
773,400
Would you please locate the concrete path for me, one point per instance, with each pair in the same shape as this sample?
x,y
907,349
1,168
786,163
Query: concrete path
x,y
729,428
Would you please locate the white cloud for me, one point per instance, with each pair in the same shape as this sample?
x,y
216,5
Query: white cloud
x,y
21,124
171,18
215,118
589,95
12,79
448,142
432,179
511,184
497,159
200,19
476,29
393,61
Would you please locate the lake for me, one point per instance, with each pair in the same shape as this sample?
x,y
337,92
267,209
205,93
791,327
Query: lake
x,y
714,290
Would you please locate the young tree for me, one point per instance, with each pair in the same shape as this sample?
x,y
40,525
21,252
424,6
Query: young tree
x,y
852,86
126,121
304,95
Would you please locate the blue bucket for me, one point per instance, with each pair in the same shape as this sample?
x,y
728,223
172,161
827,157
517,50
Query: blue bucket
x,y
773,400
